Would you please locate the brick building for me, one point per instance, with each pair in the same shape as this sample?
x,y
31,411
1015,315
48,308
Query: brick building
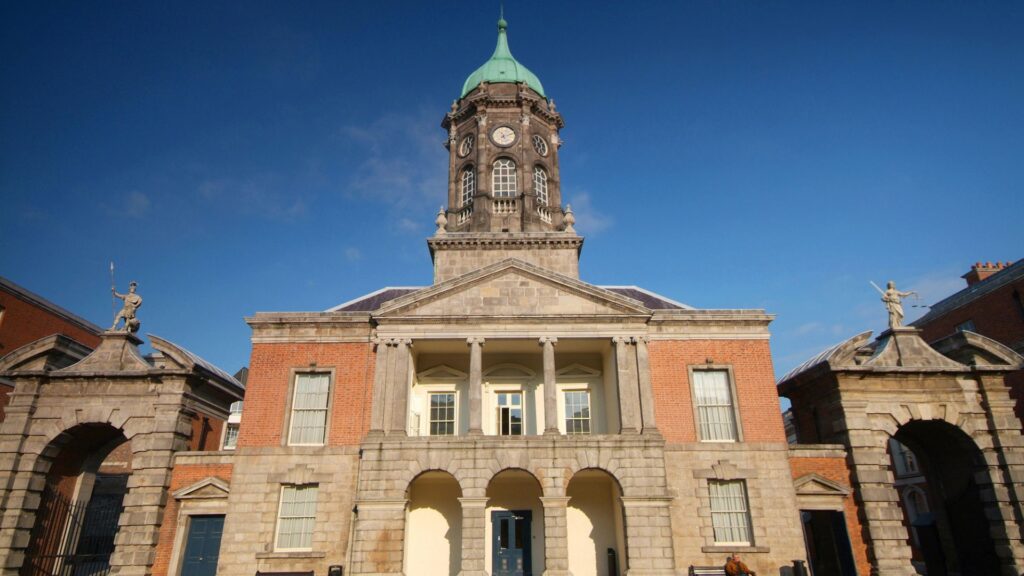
x,y
992,305
507,419
26,317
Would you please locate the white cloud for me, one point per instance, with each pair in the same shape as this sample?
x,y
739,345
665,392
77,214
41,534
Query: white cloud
x,y
589,220
264,195
136,205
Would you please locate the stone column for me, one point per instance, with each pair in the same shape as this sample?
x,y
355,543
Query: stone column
x,y
883,517
550,386
21,482
648,536
379,538
380,378
476,386
626,382
152,461
643,370
556,536
398,388
474,526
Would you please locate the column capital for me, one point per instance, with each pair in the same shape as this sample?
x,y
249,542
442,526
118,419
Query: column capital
x,y
547,340
624,339
475,340
469,502
554,501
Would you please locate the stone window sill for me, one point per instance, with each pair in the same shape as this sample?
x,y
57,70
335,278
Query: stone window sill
x,y
292,554
741,549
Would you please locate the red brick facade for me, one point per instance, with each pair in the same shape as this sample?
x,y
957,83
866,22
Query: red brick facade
x,y
751,364
184,475
271,370
835,469
23,322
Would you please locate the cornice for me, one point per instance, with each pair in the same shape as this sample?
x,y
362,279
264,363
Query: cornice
x,y
463,240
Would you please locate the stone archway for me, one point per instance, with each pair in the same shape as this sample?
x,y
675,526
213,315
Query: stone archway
x,y
515,524
595,527
433,533
956,475
80,503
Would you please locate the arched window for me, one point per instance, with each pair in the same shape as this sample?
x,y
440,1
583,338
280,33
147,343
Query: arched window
x,y
468,186
503,178
540,185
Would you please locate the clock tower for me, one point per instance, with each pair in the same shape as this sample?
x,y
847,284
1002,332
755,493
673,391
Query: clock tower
x,y
503,179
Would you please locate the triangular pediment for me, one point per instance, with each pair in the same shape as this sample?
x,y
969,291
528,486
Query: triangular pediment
x,y
210,487
578,371
815,485
512,288
441,372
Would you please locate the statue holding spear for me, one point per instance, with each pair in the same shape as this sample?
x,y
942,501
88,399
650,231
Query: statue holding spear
x,y
893,300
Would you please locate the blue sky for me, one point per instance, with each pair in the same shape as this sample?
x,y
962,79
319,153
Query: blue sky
x,y
257,156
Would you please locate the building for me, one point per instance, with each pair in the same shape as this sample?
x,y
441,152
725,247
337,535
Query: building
x,y
992,305
26,317
507,419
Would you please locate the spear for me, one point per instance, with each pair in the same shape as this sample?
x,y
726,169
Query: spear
x,y
880,291
113,301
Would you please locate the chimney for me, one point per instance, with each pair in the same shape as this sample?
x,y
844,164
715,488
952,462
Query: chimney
x,y
981,271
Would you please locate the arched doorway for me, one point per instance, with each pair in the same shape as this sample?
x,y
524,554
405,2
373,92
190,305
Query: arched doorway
x,y
81,503
515,525
956,539
594,523
433,526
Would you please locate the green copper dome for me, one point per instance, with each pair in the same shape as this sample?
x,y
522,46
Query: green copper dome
x,y
502,67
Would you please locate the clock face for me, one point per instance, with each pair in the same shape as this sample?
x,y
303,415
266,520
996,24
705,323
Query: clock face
x,y
503,136
467,145
540,145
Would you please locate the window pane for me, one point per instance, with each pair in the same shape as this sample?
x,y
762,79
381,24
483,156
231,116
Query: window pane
x,y
309,409
503,178
729,514
715,412
577,412
297,516
442,414
231,436
540,185
468,186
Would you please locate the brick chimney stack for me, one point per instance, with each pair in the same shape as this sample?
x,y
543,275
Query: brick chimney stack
x,y
981,271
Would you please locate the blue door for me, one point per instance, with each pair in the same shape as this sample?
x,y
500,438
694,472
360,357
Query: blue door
x,y
203,546
511,543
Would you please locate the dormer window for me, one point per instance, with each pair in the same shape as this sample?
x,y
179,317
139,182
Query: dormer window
x,y
468,186
540,185
503,178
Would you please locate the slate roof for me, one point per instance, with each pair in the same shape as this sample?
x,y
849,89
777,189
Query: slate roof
x,y
45,304
972,293
376,300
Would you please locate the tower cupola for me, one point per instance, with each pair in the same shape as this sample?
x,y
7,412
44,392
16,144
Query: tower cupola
x,y
503,151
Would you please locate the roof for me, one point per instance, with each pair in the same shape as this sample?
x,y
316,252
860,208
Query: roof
x,y
38,300
972,293
502,68
165,346
379,298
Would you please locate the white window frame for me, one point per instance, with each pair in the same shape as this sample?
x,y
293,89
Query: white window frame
x,y
467,185
280,509
731,513
455,412
540,184
566,416
510,187
228,427
522,412
735,412
289,431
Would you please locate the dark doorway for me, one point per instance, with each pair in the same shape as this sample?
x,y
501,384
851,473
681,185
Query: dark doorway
x,y
511,547
828,543
80,505
956,537
203,547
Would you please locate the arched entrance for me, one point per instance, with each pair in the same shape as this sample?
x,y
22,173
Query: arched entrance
x,y
594,525
515,525
956,539
81,502
433,534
